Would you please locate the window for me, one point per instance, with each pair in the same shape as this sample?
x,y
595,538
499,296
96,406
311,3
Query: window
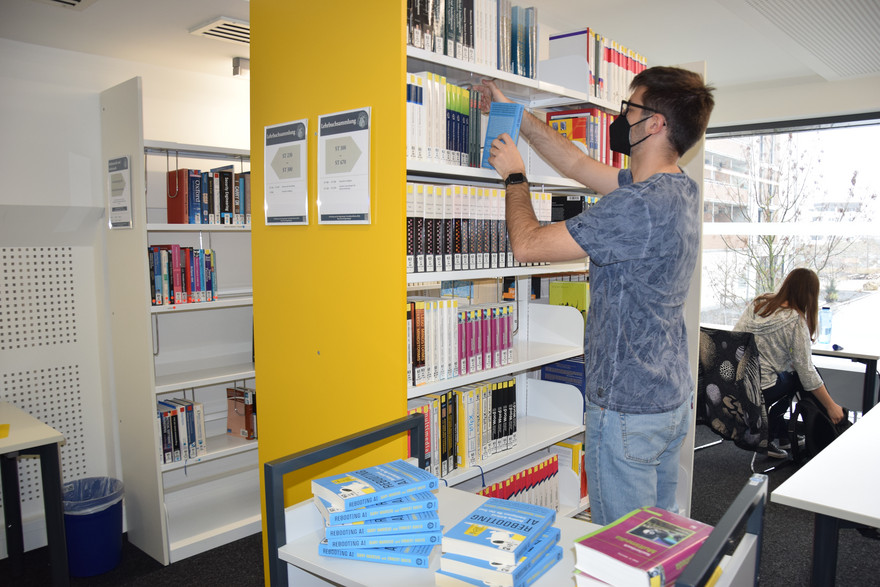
x,y
775,200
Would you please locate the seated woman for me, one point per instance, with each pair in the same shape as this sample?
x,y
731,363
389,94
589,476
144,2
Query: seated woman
x,y
784,325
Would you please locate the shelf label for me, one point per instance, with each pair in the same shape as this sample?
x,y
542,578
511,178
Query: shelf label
x,y
344,167
119,193
286,174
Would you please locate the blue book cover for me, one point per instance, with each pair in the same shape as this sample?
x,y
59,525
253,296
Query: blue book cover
x,y
408,556
408,504
499,530
446,579
373,485
504,117
420,522
385,540
501,573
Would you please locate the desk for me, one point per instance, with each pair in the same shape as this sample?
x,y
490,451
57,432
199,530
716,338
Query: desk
x,y
839,485
305,530
869,391
29,436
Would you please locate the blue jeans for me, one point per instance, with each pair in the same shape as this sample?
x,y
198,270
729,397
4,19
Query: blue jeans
x,y
632,460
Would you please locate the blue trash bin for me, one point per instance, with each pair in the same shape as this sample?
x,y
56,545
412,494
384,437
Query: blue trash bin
x,y
93,524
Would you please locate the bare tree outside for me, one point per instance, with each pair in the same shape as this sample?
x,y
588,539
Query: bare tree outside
x,y
787,191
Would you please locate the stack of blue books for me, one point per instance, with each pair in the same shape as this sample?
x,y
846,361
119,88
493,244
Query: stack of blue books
x,y
384,514
502,542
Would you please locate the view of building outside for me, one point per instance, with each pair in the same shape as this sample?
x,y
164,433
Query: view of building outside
x,y
777,201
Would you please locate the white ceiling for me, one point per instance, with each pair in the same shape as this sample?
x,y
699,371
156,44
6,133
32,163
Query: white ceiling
x,y
742,41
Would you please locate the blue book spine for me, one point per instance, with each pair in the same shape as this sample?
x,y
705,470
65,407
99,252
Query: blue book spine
x,y
421,522
409,504
408,556
386,540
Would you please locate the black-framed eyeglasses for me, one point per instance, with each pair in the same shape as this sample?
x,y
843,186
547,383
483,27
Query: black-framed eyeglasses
x,y
625,104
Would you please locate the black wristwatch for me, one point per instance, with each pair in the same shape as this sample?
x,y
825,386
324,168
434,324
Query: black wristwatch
x,y
515,178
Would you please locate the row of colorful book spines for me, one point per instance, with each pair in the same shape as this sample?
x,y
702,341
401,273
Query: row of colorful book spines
x,y
182,430
536,484
493,33
618,67
444,123
612,66
592,130
208,197
181,275
492,429
480,338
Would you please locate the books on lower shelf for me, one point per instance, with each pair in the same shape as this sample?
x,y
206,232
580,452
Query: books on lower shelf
x,y
455,568
181,275
649,546
448,340
182,430
384,514
499,531
467,425
241,412
217,196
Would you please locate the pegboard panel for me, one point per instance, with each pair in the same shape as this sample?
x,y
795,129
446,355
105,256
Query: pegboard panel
x,y
37,299
49,335
54,397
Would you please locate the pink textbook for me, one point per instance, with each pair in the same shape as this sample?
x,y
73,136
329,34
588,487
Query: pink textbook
x,y
649,546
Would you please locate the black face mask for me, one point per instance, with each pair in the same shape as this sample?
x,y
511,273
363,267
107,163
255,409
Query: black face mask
x,y
618,134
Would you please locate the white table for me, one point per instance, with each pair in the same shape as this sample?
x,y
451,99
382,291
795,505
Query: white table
x,y
869,359
307,567
29,436
839,485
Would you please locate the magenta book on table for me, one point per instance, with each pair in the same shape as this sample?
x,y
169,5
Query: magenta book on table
x,y
649,546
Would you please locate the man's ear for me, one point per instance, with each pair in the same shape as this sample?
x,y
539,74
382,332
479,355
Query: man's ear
x,y
656,123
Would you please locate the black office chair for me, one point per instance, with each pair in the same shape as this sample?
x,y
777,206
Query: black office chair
x,y
729,397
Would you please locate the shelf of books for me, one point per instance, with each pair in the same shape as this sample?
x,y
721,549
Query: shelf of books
x,y
181,318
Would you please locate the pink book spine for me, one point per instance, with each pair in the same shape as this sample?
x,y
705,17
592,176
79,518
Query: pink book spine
x,y
478,339
462,343
471,357
486,314
496,336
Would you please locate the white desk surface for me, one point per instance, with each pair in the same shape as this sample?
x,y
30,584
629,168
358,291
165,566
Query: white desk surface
x,y
843,480
25,431
825,350
304,532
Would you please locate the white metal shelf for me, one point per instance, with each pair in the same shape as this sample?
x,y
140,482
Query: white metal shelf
x,y
156,227
532,434
223,302
203,377
219,446
569,267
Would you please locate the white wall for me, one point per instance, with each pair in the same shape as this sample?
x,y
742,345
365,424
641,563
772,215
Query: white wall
x,y
803,98
53,195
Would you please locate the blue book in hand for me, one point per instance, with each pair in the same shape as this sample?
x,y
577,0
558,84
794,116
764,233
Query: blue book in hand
x,y
500,531
373,485
504,117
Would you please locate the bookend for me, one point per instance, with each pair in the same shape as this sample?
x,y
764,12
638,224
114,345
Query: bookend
x,y
745,513
274,472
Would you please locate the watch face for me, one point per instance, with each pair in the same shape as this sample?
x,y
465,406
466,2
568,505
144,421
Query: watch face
x,y
515,178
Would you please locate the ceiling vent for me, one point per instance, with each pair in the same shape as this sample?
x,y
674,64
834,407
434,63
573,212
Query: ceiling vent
x,y
225,28
72,4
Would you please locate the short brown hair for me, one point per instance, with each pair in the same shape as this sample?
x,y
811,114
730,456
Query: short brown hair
x,y
682,97
800,292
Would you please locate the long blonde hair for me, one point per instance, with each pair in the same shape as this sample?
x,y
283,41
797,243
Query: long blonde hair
x,y
800,292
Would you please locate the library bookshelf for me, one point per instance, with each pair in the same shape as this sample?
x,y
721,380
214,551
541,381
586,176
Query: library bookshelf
x,y
186,350
332,351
